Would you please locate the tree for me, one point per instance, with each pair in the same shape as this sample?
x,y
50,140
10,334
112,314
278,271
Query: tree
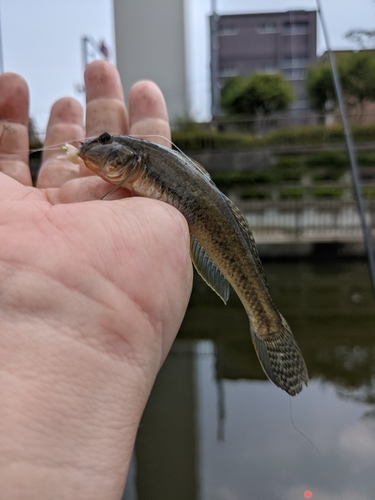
x,y
363,38
357,74
260,93
319,87
358,78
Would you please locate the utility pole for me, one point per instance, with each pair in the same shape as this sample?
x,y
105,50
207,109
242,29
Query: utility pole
x,y
100,49
215,82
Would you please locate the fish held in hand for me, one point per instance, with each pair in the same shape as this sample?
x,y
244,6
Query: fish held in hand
x,y
222,249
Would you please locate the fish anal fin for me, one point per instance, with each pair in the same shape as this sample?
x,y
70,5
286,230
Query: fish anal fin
x,y
208,270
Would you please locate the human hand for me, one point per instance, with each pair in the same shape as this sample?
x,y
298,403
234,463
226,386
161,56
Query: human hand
x,y
92,294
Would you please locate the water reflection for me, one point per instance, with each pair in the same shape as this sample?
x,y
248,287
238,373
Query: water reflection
x,y
213,367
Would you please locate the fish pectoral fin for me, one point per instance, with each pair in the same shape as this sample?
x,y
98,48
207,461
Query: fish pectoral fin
x,y
281,358
208,270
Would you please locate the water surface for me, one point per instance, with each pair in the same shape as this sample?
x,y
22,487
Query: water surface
x,y
216,429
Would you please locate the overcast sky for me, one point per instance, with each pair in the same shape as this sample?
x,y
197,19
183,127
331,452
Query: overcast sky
x,y
41,40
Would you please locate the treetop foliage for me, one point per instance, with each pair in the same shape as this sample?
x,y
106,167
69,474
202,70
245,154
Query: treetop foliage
x,y
260,93
357,75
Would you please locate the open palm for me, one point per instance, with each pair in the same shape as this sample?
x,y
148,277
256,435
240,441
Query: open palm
x,y
92,294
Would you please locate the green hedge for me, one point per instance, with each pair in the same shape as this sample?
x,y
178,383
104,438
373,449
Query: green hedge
x,y
333,159
193,140
327,192
288,161
292,194
199,140
254,194
233,178
328,174
369,192
366,158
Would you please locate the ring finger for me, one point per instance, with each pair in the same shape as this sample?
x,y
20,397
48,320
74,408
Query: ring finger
x,y
105,111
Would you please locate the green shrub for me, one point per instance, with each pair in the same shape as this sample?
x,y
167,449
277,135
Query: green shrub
x,y
261,177
289,174
229,179
288,161
364,132
192,140
328,175
369,192
333,159
254,194
292,194
366,158
199,140
327,192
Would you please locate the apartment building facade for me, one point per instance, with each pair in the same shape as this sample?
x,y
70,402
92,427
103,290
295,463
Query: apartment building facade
x,y
278,41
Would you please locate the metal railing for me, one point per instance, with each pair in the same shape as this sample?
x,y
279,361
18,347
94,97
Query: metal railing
x,y
306,221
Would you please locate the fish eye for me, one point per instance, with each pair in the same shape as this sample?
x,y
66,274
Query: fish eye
x,y
105,138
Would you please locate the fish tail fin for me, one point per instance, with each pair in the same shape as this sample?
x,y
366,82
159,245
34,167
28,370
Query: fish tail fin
x,y
281,358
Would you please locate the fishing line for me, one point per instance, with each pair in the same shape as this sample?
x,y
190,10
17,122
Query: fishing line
x,y
171,143
304,435
53,147
166,139
57,146
300,432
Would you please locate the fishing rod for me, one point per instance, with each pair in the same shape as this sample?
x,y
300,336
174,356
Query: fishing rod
x,y
366,227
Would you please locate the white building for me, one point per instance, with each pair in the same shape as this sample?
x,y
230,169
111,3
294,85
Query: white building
x,y
150,44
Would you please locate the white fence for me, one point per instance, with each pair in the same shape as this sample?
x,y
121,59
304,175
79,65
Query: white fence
x,y
305,221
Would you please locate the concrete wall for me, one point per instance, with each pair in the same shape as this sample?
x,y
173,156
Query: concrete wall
x,y
150,44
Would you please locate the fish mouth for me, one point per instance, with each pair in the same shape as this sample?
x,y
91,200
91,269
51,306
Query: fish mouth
x,y
90,164
87,152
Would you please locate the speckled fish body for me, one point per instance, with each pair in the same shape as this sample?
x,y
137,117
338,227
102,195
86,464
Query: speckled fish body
x,y
223,249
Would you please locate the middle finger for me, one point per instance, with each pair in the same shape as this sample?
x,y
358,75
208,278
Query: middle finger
x,y
105,106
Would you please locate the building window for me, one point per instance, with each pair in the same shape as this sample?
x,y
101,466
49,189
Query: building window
x,y
270,69
265,28
294,62
296,28
228,71
295,73
229,29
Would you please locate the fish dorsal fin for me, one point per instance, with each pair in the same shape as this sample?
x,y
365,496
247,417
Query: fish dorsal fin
x,y
201,168
196,165
248,235
208,270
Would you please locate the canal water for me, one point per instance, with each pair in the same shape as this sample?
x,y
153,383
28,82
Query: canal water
x,y
216,429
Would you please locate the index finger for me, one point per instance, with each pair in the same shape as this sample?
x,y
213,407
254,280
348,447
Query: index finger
x,y
65,125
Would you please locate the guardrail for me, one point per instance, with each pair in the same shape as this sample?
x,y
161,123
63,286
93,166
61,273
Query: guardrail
x,y
296,221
